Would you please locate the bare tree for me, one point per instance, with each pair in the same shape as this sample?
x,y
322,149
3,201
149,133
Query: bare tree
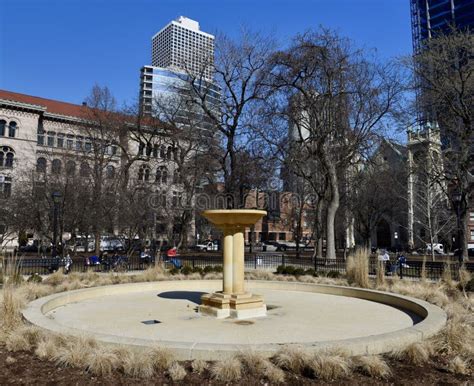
x,y
336,100
241,73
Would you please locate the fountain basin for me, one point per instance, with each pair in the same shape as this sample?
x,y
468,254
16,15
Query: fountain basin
x,y
309,316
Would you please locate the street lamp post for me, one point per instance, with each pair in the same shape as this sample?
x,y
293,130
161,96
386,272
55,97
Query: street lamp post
x,y
56,200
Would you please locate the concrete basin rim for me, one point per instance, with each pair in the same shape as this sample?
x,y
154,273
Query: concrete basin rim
x,y
433,320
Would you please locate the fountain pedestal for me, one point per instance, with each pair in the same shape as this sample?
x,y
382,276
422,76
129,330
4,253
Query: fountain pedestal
x,y
233,301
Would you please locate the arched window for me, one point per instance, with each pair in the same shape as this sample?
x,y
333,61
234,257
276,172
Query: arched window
x,y
110,172
12,129
3,123
144,173
85,170
70,168
164,176
155,151
6,156
56,166
163,151
169,152
41,165
175,154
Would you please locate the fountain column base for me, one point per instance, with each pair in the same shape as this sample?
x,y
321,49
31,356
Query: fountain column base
x,y
236,306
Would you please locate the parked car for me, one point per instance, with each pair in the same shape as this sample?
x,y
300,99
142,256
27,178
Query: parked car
x,y
207,246
269,247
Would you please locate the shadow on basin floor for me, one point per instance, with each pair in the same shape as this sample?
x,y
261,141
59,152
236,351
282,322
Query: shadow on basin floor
x,y
192,296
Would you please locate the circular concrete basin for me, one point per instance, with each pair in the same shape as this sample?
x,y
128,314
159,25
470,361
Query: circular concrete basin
x,y
306,315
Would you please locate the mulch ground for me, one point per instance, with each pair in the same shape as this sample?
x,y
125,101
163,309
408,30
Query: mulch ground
x,y
22,368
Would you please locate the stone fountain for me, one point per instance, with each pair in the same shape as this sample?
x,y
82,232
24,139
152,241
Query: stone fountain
x,y
233,301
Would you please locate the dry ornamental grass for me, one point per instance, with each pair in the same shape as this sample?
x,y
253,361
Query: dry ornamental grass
x,y
455,342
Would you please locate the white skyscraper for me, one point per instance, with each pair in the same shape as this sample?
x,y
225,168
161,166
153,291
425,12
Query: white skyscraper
x,y
180,45
181,54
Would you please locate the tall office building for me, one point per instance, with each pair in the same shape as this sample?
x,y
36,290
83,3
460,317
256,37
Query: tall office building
x,y
180,52
431,16
181,45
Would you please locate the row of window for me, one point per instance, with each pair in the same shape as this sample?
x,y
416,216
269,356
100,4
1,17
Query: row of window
x,y
6,157
10,129
70,167
155,150
69,142
161,175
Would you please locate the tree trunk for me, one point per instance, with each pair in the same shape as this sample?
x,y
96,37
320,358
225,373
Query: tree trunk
x,y
331,210
318,248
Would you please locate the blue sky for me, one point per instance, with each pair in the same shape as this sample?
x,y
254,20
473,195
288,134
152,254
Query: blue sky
x,y
59,49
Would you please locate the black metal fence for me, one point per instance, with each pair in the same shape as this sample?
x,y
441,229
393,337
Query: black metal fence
x,y
433,270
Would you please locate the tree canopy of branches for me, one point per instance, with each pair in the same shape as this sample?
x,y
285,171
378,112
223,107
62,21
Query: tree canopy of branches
x,y
335,100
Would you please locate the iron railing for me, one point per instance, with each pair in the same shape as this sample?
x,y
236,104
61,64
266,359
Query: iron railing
x,y
432,270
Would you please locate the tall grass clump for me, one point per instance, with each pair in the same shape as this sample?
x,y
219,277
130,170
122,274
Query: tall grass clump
x,y
292,359
260,367
12,301
330,366
417,353
176,372
380,277
357,268
373,366
227,370
464,278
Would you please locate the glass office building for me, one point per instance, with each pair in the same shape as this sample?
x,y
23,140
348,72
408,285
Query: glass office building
x,y
166,91
429,17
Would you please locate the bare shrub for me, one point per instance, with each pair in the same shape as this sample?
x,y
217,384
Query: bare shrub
x,y
176,372
357,269
417,353
459,365
226,370
330,366
373,366
292,359
198,366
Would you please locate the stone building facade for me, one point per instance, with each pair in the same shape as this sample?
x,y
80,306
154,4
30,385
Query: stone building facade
x,y
39,135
